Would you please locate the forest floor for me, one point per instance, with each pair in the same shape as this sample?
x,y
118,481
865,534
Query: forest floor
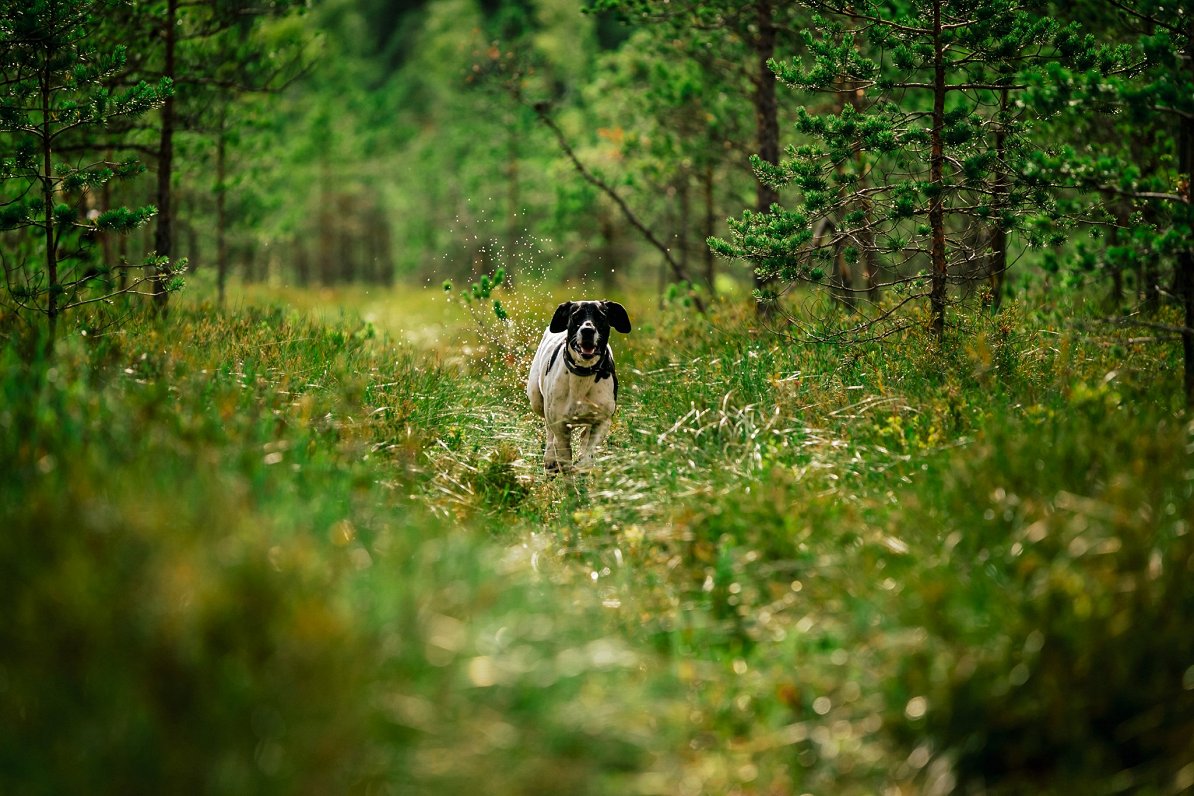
x,y
292,550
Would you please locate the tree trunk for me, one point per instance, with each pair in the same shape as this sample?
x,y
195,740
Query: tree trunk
x,y
1185,265
105,238
221,212
685,199
384,247
513,186
841,280
163,238
766,109
302,266
1185,258
866,238
326,268
122,257
709,228
997,259
47,187
937,293
346,239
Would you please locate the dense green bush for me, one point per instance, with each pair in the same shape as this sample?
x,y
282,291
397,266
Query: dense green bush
x,y
1057,602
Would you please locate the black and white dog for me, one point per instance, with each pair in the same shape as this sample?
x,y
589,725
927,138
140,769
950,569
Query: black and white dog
x,y
572,383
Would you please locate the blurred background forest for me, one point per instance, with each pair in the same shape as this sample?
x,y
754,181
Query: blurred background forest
x,y
368,141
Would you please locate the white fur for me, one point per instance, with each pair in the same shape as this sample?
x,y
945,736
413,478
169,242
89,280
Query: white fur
x,y
568,402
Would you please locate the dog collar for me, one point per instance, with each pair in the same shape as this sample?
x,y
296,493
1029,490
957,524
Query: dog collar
x,y
596,369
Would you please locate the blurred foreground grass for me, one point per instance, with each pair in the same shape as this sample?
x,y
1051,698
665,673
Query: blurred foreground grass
x,y
264,551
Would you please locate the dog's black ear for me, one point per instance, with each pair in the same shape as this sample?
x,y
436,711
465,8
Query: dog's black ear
x,y
559,321
617,316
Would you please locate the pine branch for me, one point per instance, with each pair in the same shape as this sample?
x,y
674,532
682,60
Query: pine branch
x,y
872,328
114,145
964,86
541,110
1136,323
1140,15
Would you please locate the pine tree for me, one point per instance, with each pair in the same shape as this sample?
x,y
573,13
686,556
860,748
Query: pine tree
x,y
207,49
746,37
1155,100
933,154
246,64
54,91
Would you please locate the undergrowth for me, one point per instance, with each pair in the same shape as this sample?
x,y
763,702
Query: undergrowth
x,y
253,552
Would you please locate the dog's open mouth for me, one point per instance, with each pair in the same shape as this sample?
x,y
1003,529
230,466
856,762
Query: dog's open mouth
x,y
586,349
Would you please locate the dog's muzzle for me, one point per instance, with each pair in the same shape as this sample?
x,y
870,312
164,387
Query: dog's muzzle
x,y
586,343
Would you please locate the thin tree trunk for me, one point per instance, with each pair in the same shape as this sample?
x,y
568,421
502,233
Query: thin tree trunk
x,y
709,228
997,268
105,238
221,212
937,293
385,247
1185,258
346,218
685,219
841,281
325,267
302,265
163,238
1115,298
513,186
766,110
47,187
866,238
1185,265
122,257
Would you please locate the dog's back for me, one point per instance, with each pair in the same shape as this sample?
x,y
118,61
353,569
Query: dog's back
x,y
550,341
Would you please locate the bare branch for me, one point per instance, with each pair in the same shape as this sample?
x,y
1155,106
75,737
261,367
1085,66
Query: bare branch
x,y
677,269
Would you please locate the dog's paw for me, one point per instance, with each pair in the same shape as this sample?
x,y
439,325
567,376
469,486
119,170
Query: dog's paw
x,y
556,468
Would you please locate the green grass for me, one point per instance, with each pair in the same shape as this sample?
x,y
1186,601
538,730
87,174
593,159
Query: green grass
x,y
287,551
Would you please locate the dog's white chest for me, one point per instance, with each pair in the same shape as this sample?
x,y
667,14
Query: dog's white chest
x,y
581,401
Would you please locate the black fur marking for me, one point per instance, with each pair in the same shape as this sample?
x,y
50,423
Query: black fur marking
x,y
602,368
616,314
559,321
608,372
552,361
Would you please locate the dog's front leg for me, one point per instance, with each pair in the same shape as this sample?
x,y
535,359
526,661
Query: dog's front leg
x,y
557,458
594,436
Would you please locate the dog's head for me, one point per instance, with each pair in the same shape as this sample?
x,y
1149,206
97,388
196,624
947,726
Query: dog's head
x,y
588,324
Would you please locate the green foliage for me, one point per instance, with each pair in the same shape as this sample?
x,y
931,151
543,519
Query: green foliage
x,y
1138,154
800,568
123,219
1058,651
281,617
248,551
58,77
480,292
927,128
